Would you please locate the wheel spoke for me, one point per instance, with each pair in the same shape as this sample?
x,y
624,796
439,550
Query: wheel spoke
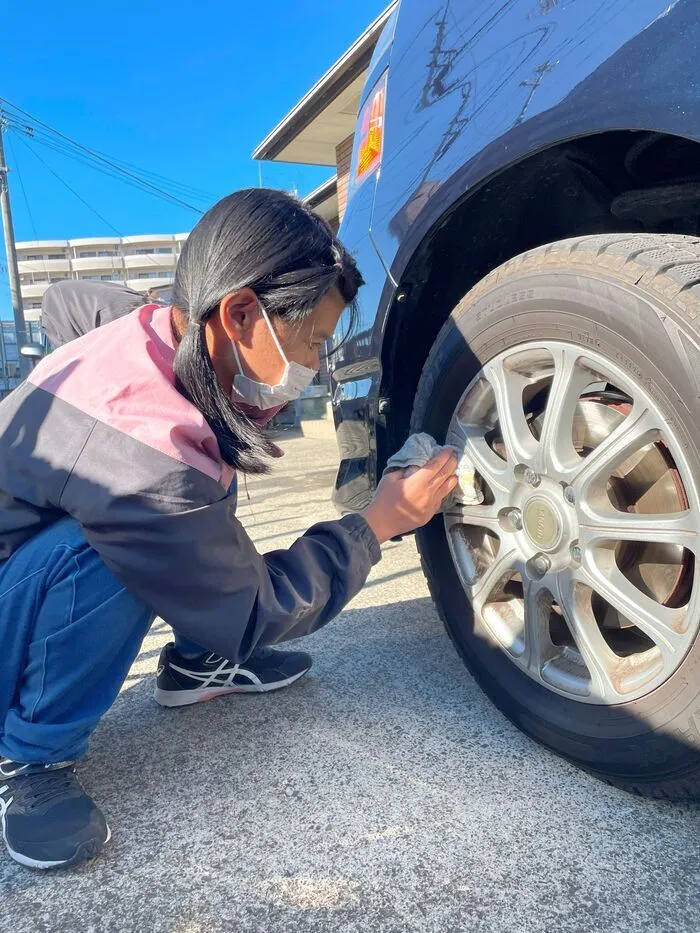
x,y
497,473
639,429
556,453
675,528
598,657
484,516
508,386
538,644
505,562
663,625
599,445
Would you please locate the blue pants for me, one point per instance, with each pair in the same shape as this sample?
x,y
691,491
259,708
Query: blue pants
x,y
69,633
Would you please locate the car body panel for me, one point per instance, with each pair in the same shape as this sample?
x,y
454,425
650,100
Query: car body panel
x,y
355,366
476,87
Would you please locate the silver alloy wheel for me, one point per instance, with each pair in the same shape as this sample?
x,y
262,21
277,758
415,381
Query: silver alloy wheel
x,y
582,562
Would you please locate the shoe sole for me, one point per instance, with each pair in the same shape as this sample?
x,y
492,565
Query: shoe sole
x,y
172,698
84,853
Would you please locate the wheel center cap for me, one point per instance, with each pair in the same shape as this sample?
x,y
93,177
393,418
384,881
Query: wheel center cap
x,y
542,523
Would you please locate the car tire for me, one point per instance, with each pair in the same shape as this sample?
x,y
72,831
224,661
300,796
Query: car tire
x,y
632,300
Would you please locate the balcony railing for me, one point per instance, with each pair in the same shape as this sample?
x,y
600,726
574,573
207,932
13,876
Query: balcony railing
x,y
43,266
98,264
150,262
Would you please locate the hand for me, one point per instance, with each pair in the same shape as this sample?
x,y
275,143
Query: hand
x,y
407,499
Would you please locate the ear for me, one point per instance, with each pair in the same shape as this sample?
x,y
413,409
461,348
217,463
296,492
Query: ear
x,y
238,312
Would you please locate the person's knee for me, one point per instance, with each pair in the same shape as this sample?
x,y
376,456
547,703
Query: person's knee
x,y
71,528
66,531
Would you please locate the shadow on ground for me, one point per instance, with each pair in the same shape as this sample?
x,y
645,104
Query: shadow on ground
x,y
383,792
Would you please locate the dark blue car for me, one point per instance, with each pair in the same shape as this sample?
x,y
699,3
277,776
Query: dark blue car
x,y
524,205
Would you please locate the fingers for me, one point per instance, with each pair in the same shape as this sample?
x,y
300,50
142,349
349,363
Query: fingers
x,y
446,466
449,481
450,468
439,461
448,486
441,465
444,488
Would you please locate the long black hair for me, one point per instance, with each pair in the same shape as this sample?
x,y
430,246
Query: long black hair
x,y
270,242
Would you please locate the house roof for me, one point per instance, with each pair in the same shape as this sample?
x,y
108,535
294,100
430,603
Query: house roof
x,y
326,115
324,199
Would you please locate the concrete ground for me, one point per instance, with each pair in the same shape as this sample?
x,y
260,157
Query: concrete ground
x,y
382,793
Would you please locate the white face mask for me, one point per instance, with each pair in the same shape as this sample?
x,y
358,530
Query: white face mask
x,y
263,396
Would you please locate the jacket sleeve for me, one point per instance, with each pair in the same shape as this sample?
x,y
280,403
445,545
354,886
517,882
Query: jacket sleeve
x,y
198,569
71,309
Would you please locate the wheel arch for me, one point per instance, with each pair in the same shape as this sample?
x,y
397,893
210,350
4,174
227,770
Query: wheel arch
x,y
612,182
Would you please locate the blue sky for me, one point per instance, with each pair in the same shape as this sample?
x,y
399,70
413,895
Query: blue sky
x,y
183,89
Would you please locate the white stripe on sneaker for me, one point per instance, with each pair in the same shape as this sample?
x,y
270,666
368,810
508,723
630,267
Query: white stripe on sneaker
x,y
253,678
210,679
13,772
172,698
4,804
34,863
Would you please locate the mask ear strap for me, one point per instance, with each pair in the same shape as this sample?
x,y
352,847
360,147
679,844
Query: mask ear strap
x,y
272,331
238,359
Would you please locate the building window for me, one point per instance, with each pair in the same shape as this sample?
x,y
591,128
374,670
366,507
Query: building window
x,y
165,250
106,252
87,254
56,256
153,275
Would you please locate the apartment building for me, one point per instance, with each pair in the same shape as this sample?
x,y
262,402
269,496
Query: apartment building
x,y
142,262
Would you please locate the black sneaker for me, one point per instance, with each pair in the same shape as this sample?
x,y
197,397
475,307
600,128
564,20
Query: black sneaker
x,y
182,681
48,820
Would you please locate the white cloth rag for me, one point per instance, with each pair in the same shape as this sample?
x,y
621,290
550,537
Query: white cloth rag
x,y
419,448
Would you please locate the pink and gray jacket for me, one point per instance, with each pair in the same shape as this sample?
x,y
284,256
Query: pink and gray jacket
x,y
100,433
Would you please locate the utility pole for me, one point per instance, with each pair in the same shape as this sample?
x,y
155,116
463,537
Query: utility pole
x,y
13,271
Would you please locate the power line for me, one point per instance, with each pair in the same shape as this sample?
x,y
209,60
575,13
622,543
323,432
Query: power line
x,y
148,174
41,133
21,184
114,173
99,157
83,161
154,189
11,256
70,149
35,133
146,258
26,200
72,190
